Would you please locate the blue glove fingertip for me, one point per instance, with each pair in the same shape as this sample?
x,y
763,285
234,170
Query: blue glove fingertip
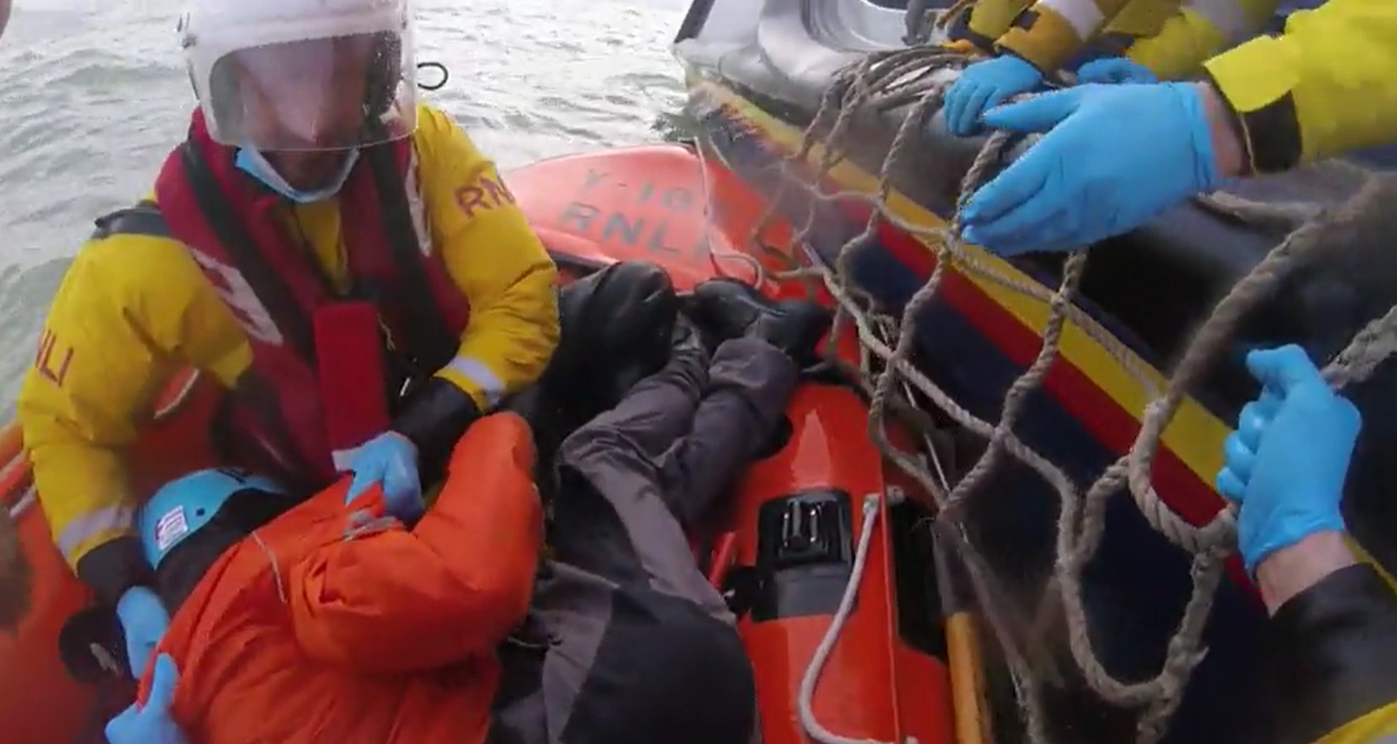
x,y
1038,114
967,232
1283,368
116,729
1230,486
1251,422
958,107
1239,456
162,684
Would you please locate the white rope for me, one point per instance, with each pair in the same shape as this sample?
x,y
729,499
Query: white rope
x,y
805,698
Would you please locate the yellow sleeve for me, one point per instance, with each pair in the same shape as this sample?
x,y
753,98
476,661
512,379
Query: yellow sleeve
x,y
1324,88
1367,729
129,311
991,19
494,257
1052,32
1199,30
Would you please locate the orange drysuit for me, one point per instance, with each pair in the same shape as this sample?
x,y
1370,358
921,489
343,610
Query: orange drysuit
x,y
321,628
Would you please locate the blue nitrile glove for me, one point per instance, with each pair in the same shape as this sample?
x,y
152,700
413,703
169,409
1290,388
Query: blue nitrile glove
x,y
1287,461
984,85
144,621
1114,71
391,460
1116,156
150,723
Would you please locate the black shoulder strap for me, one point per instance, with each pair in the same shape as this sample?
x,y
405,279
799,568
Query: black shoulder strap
x,y
142,219
431,341
265,282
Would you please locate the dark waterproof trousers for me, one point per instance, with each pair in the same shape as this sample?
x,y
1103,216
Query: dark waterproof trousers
x,y
642,649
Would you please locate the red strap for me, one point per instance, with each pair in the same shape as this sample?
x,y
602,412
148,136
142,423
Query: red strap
x,y
352,374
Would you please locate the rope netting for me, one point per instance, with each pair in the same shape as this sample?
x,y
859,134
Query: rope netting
x,y
912,82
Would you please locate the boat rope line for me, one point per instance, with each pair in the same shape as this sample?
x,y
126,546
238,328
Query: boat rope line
x,y
805,708
915,80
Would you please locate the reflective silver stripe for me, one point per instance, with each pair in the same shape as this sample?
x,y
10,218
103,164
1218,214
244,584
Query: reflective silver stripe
x,y
1082,15
484,377
415,205
26,502
342,458
175,403
102,521
1227,16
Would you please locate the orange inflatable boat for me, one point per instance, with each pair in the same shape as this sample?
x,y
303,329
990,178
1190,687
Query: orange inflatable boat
x,y
821,555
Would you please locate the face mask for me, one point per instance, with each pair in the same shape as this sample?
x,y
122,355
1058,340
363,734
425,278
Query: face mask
x,y
254,164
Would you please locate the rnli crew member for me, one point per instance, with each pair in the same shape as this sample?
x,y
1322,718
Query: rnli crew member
x,y
1103,40
340,257
1331,643
1116,156
388,636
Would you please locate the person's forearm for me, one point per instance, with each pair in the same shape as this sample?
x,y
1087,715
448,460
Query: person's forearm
x,y
1289,571
1229,151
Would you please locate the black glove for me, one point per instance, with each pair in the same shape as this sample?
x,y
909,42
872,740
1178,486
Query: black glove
x,y
616,329
434,418
727,308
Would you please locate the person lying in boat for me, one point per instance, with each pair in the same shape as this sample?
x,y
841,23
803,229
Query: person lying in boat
x,y
1101,40
367,630
1331,643
321,242
1116,156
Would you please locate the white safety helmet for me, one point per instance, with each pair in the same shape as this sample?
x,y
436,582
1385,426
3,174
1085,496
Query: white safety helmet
x,y
302,74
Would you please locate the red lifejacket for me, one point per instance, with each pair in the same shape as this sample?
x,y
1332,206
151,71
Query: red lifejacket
x,y
235,229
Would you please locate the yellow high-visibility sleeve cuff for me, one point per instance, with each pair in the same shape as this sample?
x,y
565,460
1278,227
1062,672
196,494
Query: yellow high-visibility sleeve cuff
x,y
477,379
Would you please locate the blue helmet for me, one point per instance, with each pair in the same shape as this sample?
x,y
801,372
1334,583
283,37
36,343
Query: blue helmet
x,y
185,505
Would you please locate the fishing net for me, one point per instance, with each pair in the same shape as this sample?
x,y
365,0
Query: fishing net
x,y
912,82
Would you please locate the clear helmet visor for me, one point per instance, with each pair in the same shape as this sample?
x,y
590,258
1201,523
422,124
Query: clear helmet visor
x,y
335,93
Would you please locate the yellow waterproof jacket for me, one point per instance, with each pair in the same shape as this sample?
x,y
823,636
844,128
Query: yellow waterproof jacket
x,y
1200,29
135,309
1330,656
1325,87
1170,37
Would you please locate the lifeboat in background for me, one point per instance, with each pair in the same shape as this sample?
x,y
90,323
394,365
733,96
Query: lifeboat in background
x,y
818,514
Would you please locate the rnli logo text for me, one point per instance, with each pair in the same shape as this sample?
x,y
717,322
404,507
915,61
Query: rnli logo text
x,y
483,195
639,215
53,359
